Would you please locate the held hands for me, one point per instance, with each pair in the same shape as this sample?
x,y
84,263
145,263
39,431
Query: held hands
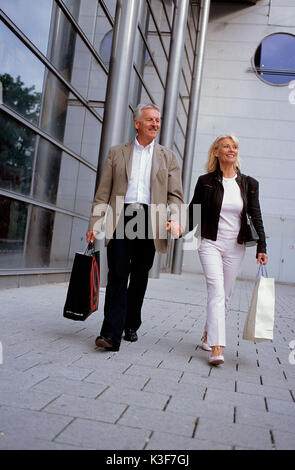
x,y
262,258
174,228
90,236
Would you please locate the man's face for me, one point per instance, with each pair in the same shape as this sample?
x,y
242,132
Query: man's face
x,y
148,124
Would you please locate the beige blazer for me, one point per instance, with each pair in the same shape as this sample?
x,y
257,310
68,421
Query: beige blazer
x,y
166,192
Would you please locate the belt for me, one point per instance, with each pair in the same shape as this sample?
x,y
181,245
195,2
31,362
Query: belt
x,y
137,206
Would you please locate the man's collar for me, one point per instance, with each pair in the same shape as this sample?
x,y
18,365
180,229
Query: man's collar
x,y
149,147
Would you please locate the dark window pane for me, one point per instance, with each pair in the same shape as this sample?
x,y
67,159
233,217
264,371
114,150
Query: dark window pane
x,y
46,178
40,231
274,59
48,239
67,182
13,215
17,145
85,190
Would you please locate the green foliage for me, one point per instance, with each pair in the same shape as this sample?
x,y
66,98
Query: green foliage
x,y
17,142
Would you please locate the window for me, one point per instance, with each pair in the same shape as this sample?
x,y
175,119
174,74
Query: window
x,y
274,59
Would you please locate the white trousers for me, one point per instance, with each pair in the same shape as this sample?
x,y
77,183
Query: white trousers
x,y
220,260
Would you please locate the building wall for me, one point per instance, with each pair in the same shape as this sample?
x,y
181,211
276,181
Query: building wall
x,y
235,101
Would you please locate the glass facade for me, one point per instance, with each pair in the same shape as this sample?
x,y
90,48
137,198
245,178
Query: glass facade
x,y
53,79
53,91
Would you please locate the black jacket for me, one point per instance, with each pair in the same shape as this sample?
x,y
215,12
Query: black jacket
x,y
209,193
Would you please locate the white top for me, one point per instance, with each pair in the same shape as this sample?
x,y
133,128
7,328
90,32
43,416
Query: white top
x,y
139,183
232,206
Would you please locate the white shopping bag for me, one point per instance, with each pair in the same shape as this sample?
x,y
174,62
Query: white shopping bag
x,y
260,320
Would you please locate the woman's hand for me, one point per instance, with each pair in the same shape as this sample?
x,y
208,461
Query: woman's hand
x,y
262,258
90,236
174,228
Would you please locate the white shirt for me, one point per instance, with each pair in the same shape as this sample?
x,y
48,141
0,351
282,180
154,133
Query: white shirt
x,y
140,179
232,206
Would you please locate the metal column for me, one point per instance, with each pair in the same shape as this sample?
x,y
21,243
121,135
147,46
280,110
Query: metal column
x,y
179,28
191,130
117,95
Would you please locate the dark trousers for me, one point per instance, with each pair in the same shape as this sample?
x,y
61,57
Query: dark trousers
x,y
128,260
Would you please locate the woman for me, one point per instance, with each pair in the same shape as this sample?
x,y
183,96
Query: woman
x,y
225,195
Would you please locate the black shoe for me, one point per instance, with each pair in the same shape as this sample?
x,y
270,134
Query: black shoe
x,y
130,335
107,343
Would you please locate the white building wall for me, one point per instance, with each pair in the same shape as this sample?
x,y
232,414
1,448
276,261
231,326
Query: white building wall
x,y
234,100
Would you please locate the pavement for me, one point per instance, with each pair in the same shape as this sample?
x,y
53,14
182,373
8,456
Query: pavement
x,y
59,392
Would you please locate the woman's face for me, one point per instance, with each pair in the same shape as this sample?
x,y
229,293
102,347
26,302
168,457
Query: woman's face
x,y
227,152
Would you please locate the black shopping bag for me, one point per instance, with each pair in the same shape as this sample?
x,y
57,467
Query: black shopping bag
x,y
83,291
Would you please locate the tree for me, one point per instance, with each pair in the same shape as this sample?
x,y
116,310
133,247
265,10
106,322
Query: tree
x,y
17,142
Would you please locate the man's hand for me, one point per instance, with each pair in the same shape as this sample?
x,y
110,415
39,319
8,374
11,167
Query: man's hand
x,y
262,258
174,228
90,236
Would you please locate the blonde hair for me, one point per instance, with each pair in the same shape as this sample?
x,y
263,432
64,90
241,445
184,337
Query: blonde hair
x,y
212,161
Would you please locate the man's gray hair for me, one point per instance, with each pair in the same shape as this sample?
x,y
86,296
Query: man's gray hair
x,y
140,107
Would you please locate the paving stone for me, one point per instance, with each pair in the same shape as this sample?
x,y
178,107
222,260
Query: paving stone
x,y
249,401
154,420
84,408
269,420
61,371
263,390
234,434
284,440
135,397
19,424
173,387
63,385
195,406
27,399
28,443
102,436
154,372
164,441
280,406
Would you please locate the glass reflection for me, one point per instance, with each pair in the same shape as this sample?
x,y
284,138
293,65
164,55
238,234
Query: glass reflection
x,y
48,239
22,76
54,111
40,231
13,216
17,145
36,24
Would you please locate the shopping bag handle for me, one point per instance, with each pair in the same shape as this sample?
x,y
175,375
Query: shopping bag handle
x,y
89,249
262,271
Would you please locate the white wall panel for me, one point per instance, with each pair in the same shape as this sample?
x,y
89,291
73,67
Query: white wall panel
x,y
234,100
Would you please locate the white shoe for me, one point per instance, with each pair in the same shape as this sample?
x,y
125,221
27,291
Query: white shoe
x,y
206,347
216,360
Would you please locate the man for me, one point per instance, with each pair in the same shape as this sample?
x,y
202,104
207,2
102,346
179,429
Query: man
x,y
142,177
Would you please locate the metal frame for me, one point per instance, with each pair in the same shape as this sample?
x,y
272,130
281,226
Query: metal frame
x,y
177,46
192,120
